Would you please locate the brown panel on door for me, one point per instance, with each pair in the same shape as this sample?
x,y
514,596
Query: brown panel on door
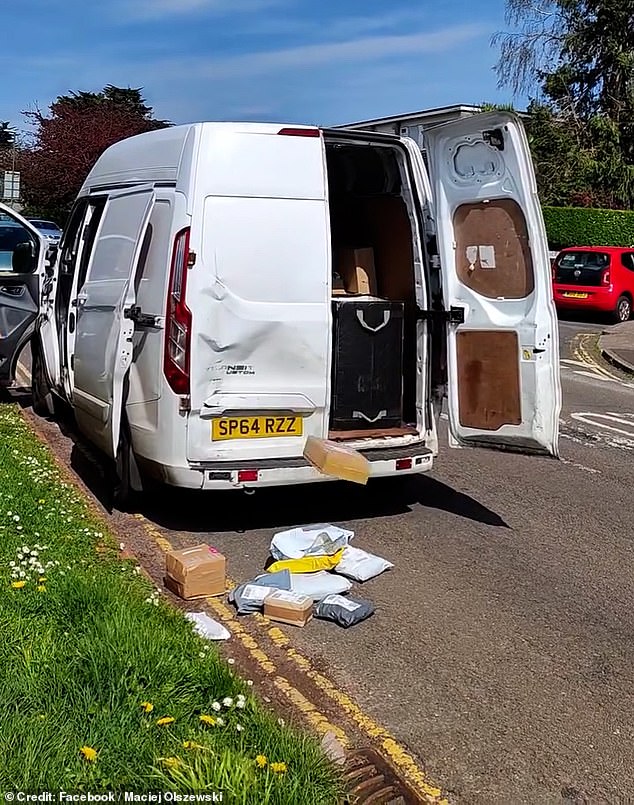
x,y
493,255
488,379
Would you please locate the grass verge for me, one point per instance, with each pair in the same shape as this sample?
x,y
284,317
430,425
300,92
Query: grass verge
x,y
103,685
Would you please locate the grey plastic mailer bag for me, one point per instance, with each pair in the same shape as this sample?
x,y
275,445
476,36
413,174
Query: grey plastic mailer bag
x,y
249,597
344,611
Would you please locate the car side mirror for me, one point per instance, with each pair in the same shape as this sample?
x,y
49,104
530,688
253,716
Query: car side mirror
x,y
24,258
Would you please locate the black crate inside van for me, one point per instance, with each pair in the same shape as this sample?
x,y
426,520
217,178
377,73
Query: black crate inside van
x,y
367,364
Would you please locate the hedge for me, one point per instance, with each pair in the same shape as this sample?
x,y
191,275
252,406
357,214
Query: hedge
x,y
582,226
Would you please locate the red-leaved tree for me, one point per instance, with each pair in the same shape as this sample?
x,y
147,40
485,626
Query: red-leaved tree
x,y
70,138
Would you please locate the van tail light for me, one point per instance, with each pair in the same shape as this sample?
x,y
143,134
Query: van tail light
x,y
290,132
606,279
178,319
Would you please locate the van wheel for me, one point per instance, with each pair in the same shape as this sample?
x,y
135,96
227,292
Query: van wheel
x,y
623,311
122,491
41,395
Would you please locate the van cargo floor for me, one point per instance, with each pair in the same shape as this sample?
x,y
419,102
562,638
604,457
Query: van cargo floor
x,y
351,435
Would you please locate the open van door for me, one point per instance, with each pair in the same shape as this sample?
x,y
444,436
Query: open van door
x,y
105,318
22,268
503,348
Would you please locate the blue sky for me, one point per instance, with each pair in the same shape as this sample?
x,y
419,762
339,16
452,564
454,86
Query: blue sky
x,y
327,62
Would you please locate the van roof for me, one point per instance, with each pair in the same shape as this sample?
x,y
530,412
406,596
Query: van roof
x,y
156,156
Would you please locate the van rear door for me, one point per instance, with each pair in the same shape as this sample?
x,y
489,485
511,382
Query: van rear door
x,y
19,293
503,356
259,294
103,344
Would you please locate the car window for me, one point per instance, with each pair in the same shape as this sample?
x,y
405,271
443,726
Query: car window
x,y
627,260
585,259
11,233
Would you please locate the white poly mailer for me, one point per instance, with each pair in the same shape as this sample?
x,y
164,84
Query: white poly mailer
x,y
311,540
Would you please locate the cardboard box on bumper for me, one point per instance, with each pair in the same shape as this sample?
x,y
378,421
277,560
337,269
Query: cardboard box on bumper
x,y
195,572
337,460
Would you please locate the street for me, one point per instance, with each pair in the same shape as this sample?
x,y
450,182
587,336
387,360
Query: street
x,y
501,652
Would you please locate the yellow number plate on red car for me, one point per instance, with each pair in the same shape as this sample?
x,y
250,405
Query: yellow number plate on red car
x,y
574,295
255,427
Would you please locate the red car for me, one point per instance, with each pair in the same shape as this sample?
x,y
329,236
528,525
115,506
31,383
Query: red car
x,y
595,278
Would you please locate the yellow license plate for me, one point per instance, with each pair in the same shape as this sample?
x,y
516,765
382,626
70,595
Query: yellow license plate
x,y
575,295
256,427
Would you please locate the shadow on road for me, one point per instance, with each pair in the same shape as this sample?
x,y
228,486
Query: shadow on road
x,y
195,511
185,510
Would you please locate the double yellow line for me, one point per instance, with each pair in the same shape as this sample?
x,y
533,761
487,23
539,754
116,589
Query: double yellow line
x,y
378,736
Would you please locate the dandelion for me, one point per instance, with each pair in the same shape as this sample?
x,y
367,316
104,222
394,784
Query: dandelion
x,y
170,762
41,588
208,720
162,722
147,707
278,768
261,761
88,753
18,585
192,745
42,580
227,701
216,706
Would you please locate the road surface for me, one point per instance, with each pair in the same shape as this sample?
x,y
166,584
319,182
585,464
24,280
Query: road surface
x,y
502,650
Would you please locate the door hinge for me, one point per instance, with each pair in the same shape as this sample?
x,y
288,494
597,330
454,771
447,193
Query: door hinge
x,y
455,315
136,315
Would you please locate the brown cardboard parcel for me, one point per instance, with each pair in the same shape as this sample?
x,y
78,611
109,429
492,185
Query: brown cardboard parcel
x,y
288,607
196,572
337,460
356,268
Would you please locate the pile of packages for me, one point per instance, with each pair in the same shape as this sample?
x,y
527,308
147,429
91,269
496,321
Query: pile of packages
x,y
311,573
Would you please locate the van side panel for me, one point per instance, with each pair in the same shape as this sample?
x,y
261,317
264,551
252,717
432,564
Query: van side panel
x,y
259,292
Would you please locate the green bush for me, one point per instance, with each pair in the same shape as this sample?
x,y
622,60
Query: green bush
x,y
581,226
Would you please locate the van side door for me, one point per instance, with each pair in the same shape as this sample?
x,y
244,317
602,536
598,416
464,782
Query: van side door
x,y
104,328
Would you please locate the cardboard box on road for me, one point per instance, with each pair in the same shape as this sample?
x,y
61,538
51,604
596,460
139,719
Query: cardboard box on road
x,y
196,572
288,607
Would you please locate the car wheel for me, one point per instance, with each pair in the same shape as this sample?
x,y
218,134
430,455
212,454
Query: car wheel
x,y
623,310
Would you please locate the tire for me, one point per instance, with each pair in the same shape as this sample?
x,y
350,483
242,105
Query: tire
x,y
122,492
623,310
41,395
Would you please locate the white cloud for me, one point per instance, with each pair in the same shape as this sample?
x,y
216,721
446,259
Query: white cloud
x,y
160,9
366,49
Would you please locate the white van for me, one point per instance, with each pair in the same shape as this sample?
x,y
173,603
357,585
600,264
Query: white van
x,y
190,318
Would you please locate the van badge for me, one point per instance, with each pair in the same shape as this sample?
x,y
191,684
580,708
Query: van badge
x,y
577,274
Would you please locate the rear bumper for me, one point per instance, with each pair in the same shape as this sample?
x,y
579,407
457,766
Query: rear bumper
x,y
601,299
220,476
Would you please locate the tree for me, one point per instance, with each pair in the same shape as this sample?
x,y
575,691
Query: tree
x,y
71,137
578,55
7,136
